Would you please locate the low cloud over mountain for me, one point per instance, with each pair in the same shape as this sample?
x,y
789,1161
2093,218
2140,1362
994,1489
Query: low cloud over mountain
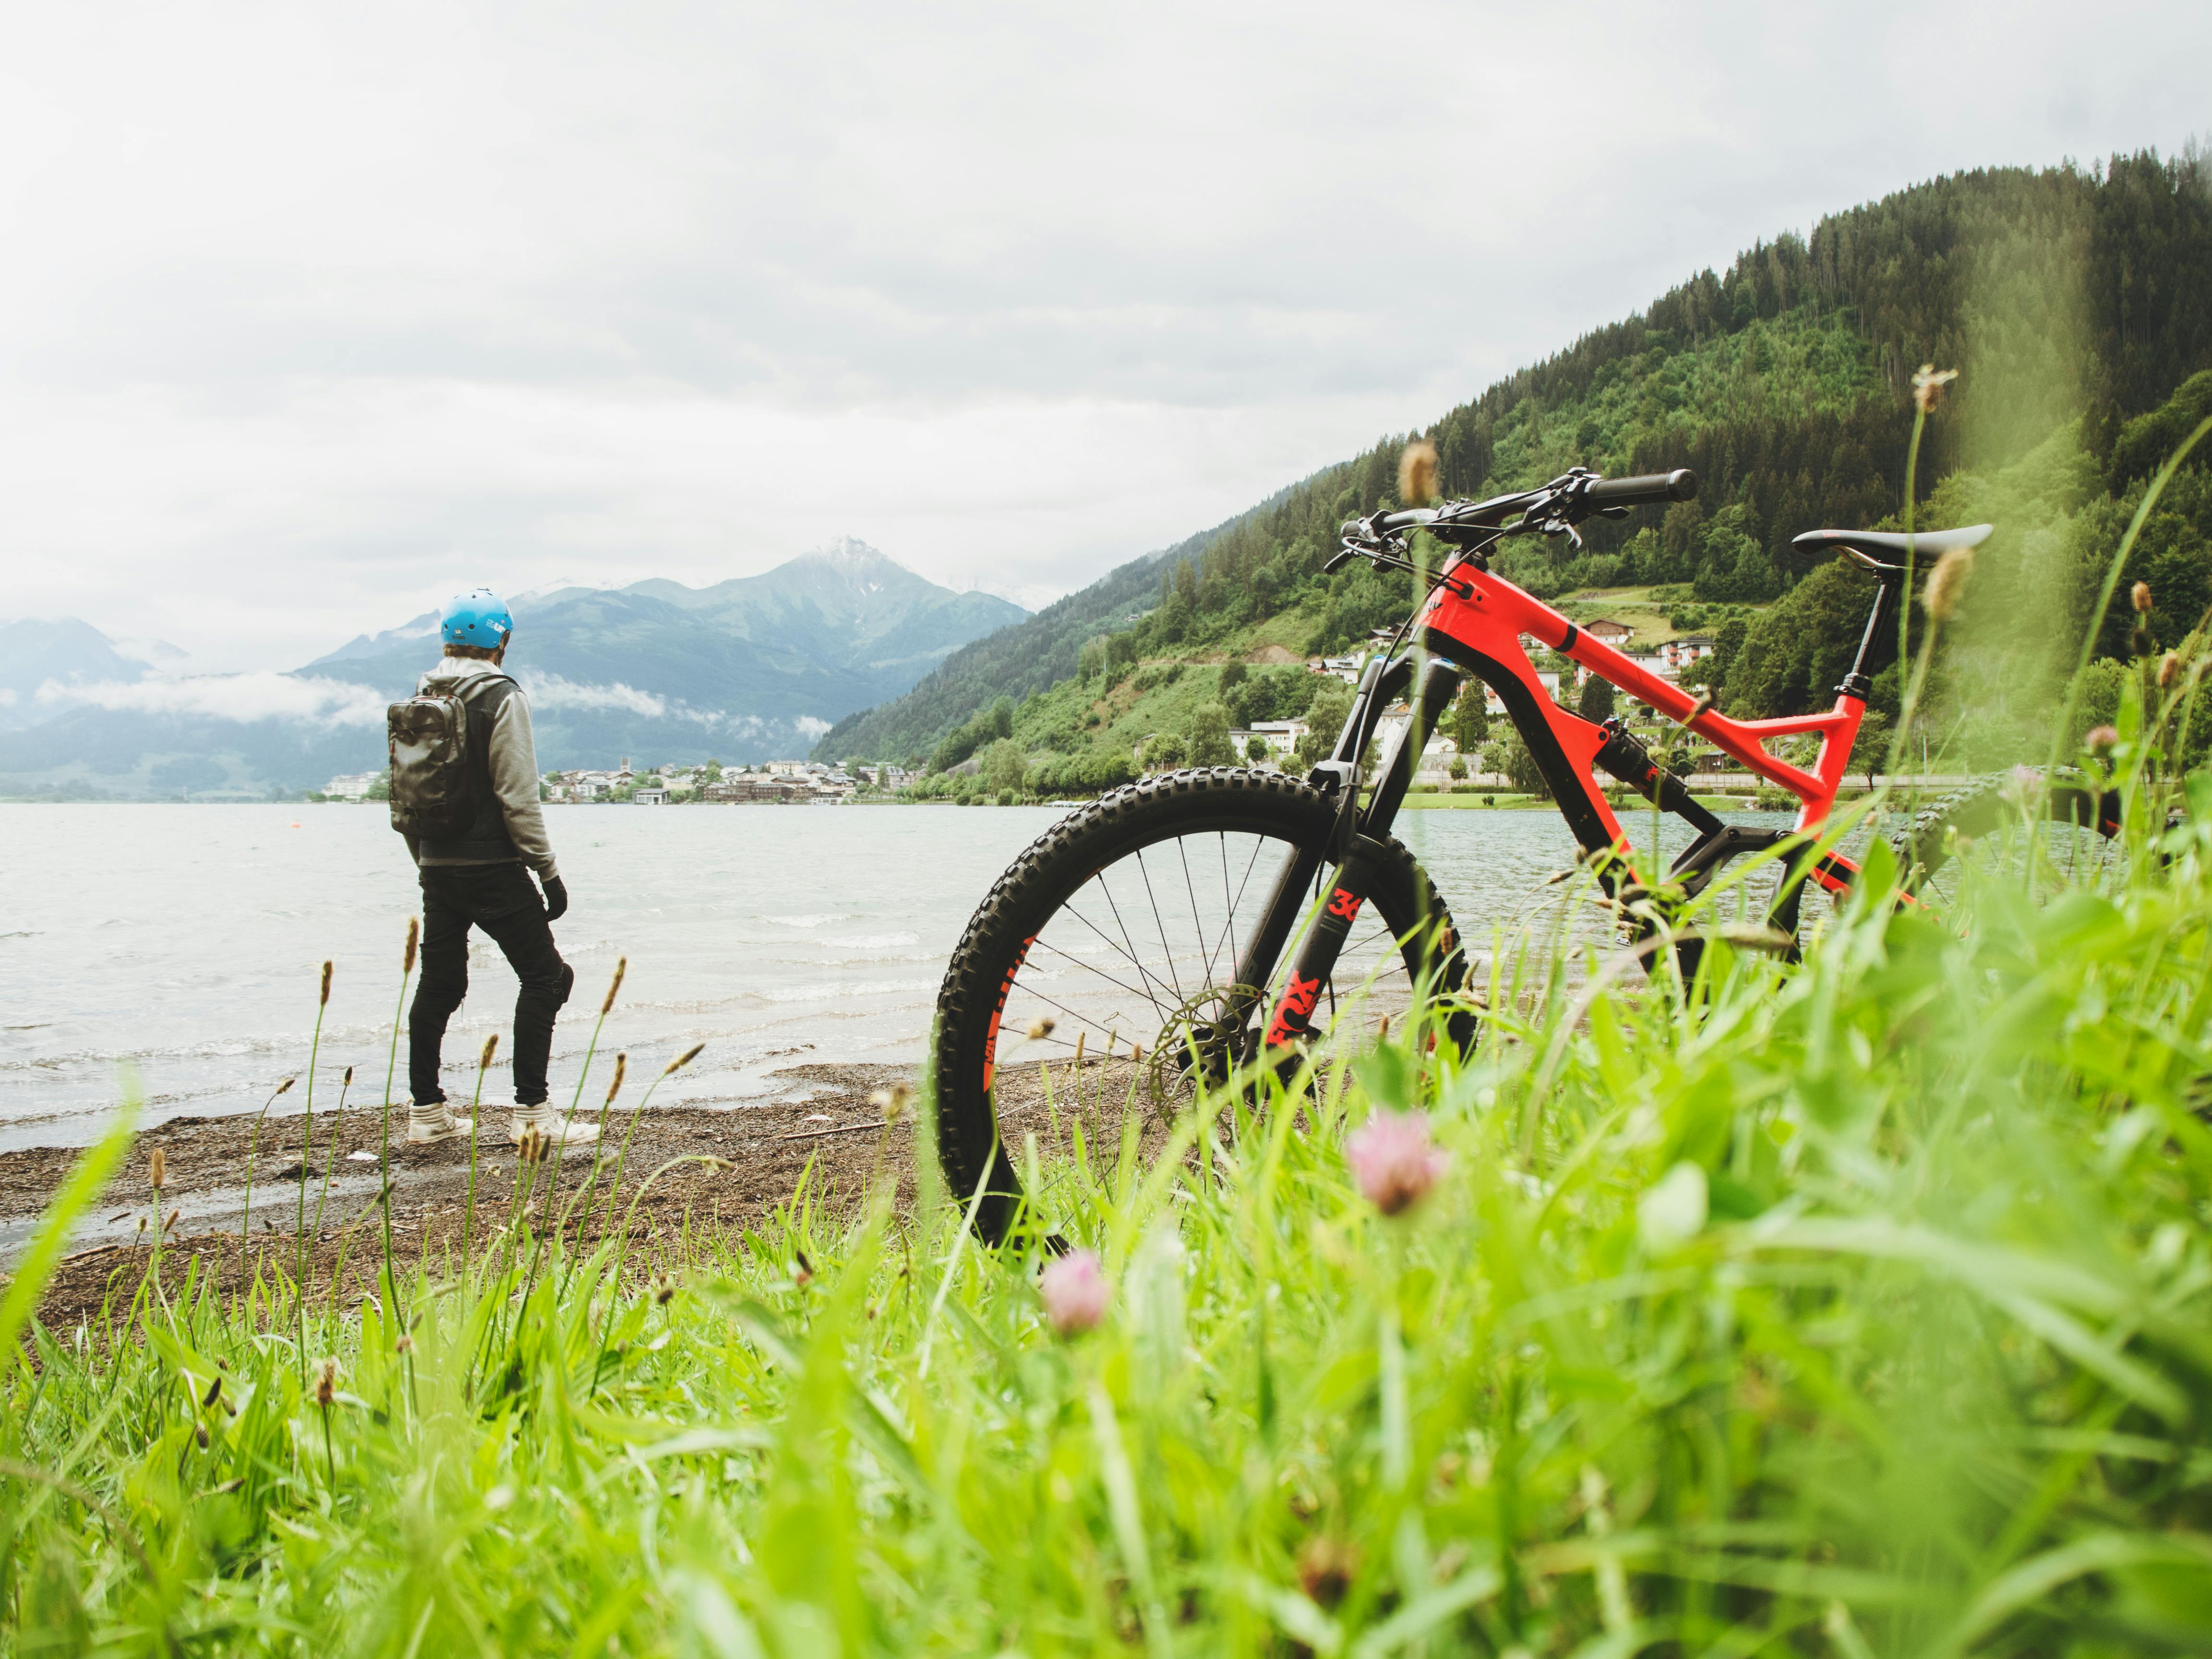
x,y
745,669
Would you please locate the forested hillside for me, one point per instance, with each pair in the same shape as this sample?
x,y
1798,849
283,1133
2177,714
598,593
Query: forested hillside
x,y
2074,302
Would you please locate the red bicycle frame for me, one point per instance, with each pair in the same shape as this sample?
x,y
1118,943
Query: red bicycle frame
x,y
1478,618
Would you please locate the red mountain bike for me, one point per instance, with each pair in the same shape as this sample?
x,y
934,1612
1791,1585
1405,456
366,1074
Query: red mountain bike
x,y
1182,926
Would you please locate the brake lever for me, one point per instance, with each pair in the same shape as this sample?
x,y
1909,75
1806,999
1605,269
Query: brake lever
x,y
1556,515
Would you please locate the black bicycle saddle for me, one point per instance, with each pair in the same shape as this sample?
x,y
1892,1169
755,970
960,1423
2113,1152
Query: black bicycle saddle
x,y
1861,545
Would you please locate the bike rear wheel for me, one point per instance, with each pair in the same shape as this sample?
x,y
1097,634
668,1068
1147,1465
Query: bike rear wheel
x,y
1981,832
1108,953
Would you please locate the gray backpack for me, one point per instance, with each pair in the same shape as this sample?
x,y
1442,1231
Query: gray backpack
x,y
434,793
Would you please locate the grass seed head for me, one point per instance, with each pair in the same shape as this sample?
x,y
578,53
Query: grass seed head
x,y
682,1060
157,1169
2101,740
1327,1567
404,1345
327,1384
285,1087
1947,584
1417,473
1928,386
891,1102
323,997
490,1048
213,1394
1040,1029
2139,597
2169,669
414,938
622,1070
622,967
664,1290
173,1216
347,1081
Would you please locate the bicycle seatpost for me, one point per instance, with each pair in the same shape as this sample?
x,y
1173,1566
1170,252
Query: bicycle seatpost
x,y
1858,684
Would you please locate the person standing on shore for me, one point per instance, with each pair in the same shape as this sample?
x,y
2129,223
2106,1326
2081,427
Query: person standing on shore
x,y
463,761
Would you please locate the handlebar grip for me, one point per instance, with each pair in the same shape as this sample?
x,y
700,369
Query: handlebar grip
x,y
1648,490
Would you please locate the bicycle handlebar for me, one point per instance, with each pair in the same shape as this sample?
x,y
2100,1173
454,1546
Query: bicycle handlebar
x,y
1556,507
1648,490
1412,516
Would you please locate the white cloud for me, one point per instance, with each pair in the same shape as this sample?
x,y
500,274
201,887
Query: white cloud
x,y
1013,292
551,691
810,728
259,696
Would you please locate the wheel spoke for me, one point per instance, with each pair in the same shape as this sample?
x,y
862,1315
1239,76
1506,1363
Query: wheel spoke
x,y
1144,973
1173,978
1077,962
1198,924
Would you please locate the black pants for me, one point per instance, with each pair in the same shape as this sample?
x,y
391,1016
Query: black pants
x,y
502,899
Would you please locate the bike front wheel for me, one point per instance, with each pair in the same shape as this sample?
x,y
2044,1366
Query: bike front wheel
x,y
1103,967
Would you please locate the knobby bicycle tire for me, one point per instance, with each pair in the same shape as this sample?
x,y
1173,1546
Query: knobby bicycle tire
x,y
1061,862
1973,810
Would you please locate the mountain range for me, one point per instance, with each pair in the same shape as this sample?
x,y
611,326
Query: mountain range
x,y
746,669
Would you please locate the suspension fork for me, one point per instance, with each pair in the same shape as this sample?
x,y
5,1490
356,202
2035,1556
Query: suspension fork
x,y
1359,831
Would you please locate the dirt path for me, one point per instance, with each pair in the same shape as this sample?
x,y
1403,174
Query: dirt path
x,y
760,1152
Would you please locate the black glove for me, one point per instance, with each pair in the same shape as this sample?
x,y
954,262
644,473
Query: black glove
x,y
556,898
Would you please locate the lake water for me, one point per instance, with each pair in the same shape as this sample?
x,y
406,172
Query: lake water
x,y
180,946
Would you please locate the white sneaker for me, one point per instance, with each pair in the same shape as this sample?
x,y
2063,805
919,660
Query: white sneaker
x,y
547,1122
427,1125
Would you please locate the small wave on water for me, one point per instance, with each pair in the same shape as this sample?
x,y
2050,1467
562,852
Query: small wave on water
x,y
838,990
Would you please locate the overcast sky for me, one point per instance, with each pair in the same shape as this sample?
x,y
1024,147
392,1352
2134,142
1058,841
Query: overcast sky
x,y
310,315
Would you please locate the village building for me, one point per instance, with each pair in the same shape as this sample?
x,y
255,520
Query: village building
x,y
741,787
1282,737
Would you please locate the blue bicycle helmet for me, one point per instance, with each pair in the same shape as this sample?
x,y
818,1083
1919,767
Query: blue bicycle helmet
x,y
477,617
